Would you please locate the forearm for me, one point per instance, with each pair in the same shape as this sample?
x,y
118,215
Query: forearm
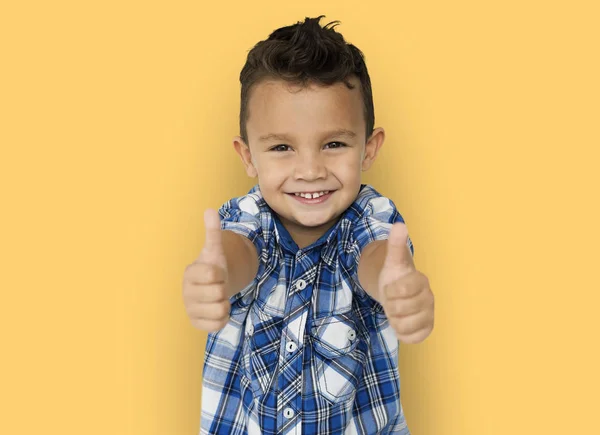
x,y
242,261
369,267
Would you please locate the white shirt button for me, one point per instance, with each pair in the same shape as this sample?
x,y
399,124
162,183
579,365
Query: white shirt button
x,y
250,329
291,346
301,284
288,413
351,334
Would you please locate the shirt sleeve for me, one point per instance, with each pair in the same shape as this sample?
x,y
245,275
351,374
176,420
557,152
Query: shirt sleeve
x,y
375,223
242,216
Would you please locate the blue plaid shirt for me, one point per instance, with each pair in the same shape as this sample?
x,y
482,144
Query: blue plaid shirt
x,y
306,349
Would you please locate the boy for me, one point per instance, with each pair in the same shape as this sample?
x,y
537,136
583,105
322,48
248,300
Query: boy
x,y
304,284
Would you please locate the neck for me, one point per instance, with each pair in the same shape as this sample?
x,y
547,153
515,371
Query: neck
x,y
305,236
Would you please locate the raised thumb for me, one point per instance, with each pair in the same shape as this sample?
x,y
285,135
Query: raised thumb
x,y
398,253
213,242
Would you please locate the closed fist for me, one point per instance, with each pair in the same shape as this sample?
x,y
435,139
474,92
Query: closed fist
x,y
205,280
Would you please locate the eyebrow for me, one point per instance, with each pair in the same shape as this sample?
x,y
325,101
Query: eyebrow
x,y
340,132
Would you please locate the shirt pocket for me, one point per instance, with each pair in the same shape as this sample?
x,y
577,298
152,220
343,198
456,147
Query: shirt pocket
x,y
340,352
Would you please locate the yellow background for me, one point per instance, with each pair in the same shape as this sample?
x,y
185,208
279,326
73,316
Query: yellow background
x,y
115,131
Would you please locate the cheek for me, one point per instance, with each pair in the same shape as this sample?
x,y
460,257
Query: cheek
x,y
346,167
271,173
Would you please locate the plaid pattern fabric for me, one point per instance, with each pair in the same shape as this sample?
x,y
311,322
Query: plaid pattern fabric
x,y
306,350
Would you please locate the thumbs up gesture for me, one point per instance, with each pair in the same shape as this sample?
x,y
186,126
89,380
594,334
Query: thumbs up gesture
x,y
204,281
403,291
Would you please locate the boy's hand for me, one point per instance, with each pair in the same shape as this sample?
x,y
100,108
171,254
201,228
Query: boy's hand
x,y
407,299
204,280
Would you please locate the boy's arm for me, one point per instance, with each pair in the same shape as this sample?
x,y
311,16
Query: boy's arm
x,y
242,261
370,265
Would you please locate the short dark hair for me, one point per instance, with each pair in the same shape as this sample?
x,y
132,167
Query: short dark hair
x,y
303,53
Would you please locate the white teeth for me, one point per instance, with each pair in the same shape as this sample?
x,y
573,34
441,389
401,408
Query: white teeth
x,y
313,195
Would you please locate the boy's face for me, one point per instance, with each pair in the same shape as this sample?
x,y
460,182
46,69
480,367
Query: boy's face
x,y
307,140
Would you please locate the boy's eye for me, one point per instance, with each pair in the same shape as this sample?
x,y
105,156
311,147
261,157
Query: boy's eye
x,y
283,147
280,148
336,144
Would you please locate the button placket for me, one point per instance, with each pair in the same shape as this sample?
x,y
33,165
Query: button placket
x,y
291,355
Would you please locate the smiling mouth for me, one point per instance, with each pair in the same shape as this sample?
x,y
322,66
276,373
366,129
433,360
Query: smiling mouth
x,y
311,195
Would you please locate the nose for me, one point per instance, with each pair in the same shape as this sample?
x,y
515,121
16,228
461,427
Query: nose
x,y
309,167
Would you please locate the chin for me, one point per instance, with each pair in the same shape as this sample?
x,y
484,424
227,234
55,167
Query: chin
x,y
312,223
316,221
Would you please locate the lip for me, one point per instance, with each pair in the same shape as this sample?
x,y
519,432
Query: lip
x,y
318,200
311,191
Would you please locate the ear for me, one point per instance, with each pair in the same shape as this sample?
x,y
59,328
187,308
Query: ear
x,y
372,147
244,151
